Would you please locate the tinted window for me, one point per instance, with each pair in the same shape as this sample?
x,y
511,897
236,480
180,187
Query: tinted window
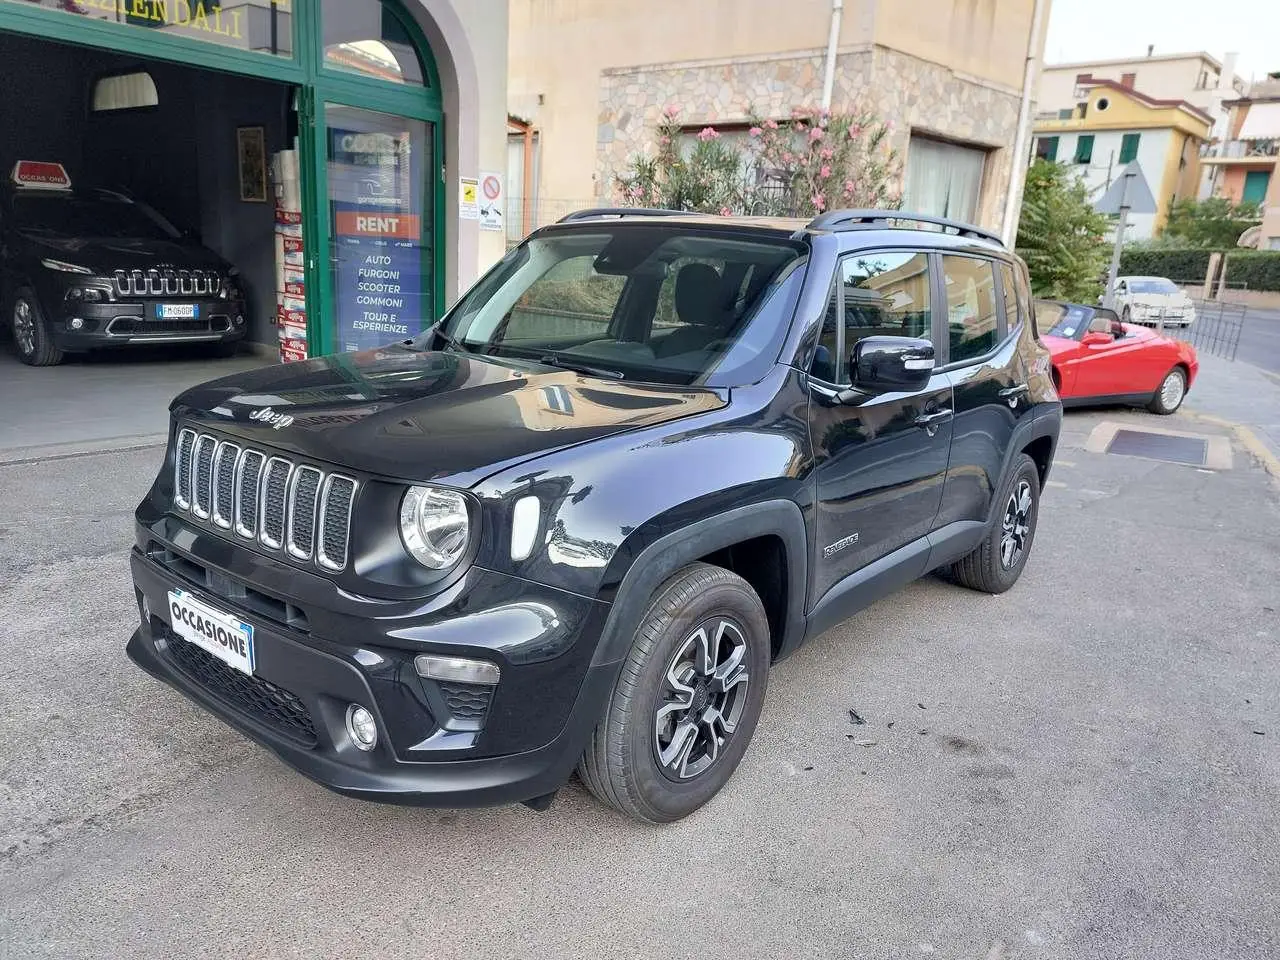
x,y
1011,305
87,215
883,294
971,305
672,305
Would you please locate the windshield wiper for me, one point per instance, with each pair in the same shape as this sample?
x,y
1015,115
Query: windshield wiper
x,y
555,360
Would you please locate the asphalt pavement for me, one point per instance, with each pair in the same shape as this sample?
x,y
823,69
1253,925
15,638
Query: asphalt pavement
x,y
1260,339
1087,766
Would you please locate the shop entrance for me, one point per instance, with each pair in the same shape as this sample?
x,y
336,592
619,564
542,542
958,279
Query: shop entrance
x,y
296,149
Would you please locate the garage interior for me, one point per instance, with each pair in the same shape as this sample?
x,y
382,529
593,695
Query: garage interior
x,y
180,156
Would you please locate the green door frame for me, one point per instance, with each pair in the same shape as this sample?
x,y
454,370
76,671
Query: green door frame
x,y
316,85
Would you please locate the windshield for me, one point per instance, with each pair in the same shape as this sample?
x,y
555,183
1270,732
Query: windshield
x,y
671,304
1152,286
1067,319
75,215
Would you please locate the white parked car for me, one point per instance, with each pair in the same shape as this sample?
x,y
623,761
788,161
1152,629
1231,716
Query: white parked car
x,y
1144,299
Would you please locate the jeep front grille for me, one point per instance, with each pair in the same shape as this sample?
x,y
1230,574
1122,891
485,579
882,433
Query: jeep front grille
x,y
167,283
296,508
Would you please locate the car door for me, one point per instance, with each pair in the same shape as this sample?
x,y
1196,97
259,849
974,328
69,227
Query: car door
x,y
881,459
1108,365
989,376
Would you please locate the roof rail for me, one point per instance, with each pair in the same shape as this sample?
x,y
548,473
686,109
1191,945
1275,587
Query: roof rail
x,y
599,212
855,219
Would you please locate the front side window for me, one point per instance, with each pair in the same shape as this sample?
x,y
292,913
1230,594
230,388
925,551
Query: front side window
x,y
881,294
642,302
971,306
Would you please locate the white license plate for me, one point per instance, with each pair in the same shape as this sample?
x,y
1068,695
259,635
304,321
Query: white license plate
x,y
226,637
177,311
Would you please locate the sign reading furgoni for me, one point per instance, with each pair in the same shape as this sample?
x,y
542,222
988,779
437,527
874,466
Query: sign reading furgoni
x,y
264,26
376,197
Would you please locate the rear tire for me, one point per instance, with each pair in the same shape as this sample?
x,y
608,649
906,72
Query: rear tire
x,y
1170,394
686,700
998,561
31,339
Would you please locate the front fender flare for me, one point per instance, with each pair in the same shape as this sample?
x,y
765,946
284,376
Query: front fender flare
x,y
664,556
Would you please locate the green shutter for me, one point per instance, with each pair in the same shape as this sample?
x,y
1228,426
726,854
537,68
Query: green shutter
x,y
1047,148
1084,148
1255,186
1129,147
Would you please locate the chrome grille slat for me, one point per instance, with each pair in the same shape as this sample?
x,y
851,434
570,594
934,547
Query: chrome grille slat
x,y
224,483
304,497
275,493
248,480
182,468
202,476
335,521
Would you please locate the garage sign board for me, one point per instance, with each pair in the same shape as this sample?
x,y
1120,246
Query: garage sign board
x,y
41,174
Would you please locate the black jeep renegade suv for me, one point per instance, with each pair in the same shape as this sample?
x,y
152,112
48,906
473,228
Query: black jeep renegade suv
x,y
576,523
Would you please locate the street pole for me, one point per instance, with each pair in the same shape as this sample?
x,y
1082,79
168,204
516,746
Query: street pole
x,y
1109,297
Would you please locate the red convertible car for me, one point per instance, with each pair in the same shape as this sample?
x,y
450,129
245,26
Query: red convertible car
x,y
1097,359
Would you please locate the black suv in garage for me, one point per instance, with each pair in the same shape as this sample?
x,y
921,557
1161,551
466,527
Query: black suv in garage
x,y
88,268
576,523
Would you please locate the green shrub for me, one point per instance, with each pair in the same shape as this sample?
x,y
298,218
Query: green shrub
x,y
1255,269
1186,265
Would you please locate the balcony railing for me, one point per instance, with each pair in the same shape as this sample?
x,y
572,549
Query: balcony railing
x,y
1242,149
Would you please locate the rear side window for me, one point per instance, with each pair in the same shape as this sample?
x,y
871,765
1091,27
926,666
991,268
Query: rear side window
x,y
971,306
1012,307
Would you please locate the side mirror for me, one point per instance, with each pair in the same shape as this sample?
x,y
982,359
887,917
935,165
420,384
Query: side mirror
x,y
1096,338
887,364
1117,329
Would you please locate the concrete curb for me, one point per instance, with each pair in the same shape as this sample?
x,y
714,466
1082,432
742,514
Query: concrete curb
x,y
1248,439
85,448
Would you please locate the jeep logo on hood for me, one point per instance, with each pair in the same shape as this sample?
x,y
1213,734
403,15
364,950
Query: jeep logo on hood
x,y
267,415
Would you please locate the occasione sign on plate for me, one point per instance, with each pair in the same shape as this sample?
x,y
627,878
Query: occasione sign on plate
x,y
41,173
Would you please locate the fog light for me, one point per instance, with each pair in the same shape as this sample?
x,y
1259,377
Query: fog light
x,y
239,320
458,669
361,728
76,323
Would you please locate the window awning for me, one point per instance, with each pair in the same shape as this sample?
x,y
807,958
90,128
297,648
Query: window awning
x,y
1262,122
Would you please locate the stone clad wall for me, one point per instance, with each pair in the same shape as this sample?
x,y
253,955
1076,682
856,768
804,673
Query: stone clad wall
x,y
907,92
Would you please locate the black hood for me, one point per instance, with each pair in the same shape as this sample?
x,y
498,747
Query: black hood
x,y
106,254
412,415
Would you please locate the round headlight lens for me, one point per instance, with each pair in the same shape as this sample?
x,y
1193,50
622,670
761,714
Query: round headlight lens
x,y
434,526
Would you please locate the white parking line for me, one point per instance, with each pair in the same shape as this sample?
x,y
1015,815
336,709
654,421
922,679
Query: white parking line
x,y
1056,483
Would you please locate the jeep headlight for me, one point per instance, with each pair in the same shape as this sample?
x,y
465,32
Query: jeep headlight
x,y
435,526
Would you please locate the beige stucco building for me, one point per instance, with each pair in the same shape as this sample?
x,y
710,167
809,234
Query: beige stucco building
x,y
592,77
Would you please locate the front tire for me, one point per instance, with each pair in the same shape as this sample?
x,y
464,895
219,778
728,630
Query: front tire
x,y
31,339
998,561
1170,394
687,698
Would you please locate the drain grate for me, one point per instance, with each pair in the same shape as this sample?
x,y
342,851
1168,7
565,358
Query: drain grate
x,y
1159,446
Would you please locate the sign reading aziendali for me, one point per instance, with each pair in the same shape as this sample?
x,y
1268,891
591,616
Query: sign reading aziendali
x,y
264,26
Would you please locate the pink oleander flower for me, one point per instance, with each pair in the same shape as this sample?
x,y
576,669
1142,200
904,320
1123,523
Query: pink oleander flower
x,y
788,158
826,153
771,124
726,212
854,131
848,188
825,171
707,134
815,134
671,110
819,201
755,131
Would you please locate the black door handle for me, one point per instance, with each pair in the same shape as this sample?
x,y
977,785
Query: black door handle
x,y
930,421
1016,391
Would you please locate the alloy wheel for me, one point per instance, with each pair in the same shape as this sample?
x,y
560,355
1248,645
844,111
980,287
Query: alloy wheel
x,y
24,327
703,694
1171,390
1016,525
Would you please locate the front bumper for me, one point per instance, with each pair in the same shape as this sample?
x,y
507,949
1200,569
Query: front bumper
x,y
78,325
524,745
